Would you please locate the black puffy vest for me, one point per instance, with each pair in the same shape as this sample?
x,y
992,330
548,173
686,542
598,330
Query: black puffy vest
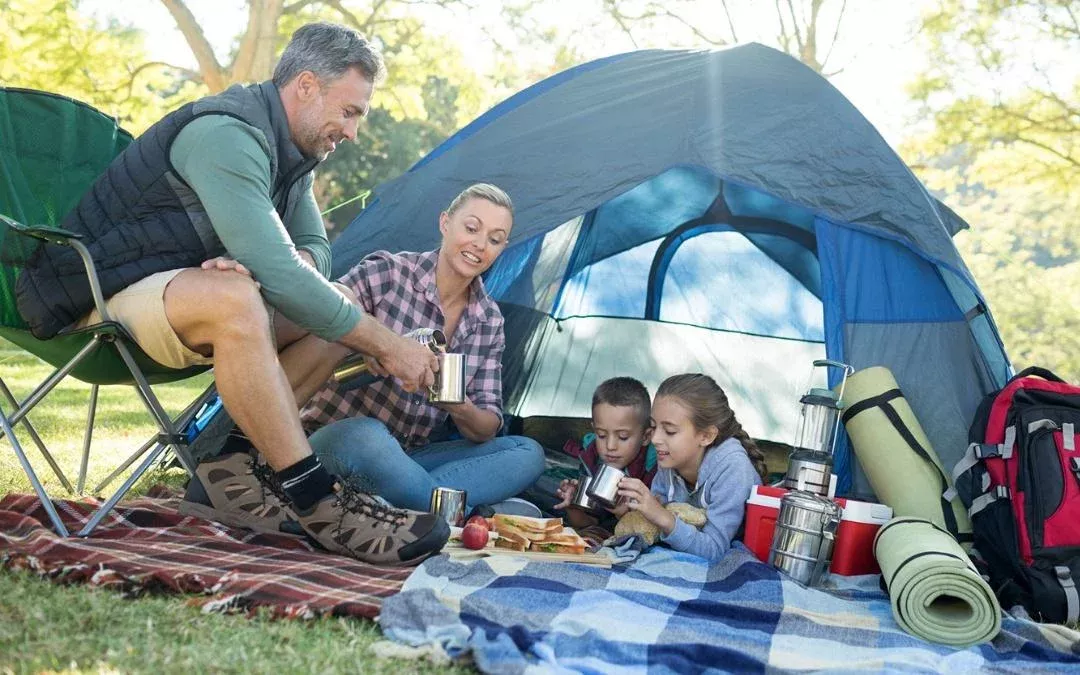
x,y
140,217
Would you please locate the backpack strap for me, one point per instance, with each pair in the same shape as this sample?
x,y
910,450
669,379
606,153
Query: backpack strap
x,y
1038,372
1072,599
976,452
987,498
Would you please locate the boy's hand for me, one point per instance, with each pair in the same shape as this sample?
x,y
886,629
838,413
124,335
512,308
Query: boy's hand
x,y
565,492
640,498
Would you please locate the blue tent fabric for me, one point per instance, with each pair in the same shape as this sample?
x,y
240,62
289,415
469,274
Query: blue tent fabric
x,y
727,211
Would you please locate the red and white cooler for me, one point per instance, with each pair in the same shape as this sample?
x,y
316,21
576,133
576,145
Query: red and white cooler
x,y
853,552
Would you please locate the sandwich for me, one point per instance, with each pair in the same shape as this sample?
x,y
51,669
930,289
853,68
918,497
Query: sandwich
x,y
546,535
534,529
566,541
511,538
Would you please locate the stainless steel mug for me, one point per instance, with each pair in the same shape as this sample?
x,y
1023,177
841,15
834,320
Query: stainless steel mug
x,y
449,384
449,504
353,370
604,486
581,498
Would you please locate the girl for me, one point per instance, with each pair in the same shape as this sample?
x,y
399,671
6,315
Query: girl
x,y
705,459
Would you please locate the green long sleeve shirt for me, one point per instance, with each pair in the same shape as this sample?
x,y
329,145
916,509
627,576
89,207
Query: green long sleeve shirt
x,y
227,163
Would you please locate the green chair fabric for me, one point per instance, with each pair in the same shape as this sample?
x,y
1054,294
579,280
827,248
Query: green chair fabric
x,y
52,148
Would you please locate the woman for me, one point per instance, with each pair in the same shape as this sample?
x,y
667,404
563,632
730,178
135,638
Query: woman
x,y
381,436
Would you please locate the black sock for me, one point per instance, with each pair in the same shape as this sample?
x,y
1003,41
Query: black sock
x,y
306,482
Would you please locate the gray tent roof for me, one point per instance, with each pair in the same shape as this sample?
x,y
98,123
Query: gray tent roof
x,y
749,114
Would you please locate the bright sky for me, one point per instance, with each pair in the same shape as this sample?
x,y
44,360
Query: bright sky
x,y
875,53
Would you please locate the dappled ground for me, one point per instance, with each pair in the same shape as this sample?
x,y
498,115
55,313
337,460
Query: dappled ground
x,y
46,627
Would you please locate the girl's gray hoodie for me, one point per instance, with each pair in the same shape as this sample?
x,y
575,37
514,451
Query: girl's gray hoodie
x,y
724,482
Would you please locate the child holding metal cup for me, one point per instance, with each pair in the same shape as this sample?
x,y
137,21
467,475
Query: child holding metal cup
x,y
620,439
706,460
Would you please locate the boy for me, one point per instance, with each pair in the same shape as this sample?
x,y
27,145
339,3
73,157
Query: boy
x,y
620,419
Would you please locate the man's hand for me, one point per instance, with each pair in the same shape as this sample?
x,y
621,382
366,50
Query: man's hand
x,y
226,265
411,362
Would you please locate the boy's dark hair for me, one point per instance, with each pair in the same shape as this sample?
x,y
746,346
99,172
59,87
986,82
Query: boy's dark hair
x,y
624,392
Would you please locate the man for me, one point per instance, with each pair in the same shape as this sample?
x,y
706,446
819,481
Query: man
x,y
210,247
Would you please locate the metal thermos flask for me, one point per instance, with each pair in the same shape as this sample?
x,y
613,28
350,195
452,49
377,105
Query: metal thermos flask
x,y
353,370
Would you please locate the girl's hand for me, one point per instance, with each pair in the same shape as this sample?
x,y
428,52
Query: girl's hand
x,y
640,498
565,492
620,509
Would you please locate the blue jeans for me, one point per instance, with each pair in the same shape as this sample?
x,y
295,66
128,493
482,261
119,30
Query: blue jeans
x,y
361,449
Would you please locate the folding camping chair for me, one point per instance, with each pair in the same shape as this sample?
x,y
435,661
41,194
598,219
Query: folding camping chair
x,y
52,148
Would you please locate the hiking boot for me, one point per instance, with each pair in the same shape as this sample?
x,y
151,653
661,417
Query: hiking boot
x,y
239,491
354,523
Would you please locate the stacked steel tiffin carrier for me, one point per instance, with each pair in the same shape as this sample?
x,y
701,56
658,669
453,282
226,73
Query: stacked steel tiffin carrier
x,y
806,526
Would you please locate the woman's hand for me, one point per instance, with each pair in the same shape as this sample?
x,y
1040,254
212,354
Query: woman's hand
x,y
640,498
620,509
565,492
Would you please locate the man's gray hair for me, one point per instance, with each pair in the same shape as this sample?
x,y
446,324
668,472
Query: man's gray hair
x,y
328,50
485,191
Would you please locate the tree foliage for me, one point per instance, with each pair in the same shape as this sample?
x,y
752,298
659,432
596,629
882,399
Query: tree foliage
x,y
48,45
427,95
806,29
1005,148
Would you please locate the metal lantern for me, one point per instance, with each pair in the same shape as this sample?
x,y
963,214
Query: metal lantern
x,y
811,461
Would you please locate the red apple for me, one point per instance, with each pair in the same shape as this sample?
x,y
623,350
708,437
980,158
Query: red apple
x,y
474,536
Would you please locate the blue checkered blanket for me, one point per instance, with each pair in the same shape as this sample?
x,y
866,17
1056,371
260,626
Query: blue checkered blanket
x,y
673,613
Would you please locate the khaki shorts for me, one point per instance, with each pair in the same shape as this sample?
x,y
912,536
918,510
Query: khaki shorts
x,y
140,308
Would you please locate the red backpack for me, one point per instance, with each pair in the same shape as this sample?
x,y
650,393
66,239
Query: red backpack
x,y
1020,481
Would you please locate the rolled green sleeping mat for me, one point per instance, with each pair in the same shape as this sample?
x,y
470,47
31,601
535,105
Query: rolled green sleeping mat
x,y
896,455
935,591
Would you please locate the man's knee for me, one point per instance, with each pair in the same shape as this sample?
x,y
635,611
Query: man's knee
x,y
210,305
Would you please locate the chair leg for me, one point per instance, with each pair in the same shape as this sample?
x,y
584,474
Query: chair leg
x,y
123,467
91,411
168,438
179,423
42,391
172,439
50,508
105,508
32,432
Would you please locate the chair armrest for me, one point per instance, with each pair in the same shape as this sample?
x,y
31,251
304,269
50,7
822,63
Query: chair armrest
x,y
52,235
56,235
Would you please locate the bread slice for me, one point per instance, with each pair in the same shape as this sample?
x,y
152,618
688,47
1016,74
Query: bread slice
x,y
533,528
511,538
550,547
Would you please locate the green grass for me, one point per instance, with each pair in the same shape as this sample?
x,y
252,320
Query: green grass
x,y
45,627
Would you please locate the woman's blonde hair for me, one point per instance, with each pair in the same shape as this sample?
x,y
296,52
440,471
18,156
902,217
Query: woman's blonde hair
x,y
485,191
708,406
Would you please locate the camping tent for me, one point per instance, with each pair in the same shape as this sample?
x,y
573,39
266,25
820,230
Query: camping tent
x,y
728,212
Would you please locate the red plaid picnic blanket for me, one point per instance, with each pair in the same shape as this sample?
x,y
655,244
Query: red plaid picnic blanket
x,y
145,545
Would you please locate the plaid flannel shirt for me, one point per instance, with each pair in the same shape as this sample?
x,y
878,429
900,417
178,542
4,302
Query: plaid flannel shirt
x,y
398,290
